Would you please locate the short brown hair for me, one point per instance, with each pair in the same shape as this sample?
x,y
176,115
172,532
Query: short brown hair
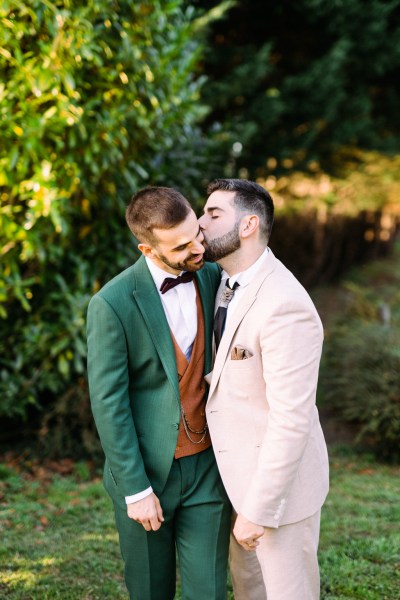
x,y
155,208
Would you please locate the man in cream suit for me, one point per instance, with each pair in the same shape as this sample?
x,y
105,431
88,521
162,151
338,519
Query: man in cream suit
x,y
149,346
261,410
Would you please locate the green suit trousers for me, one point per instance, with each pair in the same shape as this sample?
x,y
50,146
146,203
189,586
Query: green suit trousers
x,y
196,527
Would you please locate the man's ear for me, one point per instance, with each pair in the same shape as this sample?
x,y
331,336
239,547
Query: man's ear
x,y
146,250
249,225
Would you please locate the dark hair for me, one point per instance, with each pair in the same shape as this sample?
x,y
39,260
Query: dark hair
x,y
249,197
155,208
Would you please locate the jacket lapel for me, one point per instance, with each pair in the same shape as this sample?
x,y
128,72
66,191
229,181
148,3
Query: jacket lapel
x,y
236,318
205,286
150,306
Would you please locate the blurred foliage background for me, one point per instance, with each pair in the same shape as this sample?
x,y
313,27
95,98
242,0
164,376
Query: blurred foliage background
x,y
102,98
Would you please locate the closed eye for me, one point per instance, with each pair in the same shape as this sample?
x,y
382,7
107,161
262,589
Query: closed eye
x,y
180,248
184,246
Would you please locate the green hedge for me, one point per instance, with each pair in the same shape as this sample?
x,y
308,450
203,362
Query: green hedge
x,y
360,374
97,99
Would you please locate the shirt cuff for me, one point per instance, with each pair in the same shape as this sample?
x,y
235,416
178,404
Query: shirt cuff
x,y
139,496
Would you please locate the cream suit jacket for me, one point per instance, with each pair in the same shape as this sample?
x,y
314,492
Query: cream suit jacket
x,y
261,411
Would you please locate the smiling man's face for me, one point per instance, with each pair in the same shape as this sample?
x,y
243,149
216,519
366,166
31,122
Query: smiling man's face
x,y
179,248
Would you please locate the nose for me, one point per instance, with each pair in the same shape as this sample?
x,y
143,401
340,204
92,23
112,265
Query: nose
x,y
201,222
198,247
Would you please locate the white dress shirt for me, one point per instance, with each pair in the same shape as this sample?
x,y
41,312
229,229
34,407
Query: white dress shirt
x,y
180,308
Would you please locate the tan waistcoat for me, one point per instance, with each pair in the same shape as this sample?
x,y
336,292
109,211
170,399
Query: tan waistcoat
x,y
192,389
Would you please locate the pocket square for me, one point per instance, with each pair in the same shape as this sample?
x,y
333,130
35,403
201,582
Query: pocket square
x,y
208,377
239,353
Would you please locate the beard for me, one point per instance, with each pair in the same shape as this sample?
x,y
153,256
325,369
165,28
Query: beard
x,y
223,246
184,265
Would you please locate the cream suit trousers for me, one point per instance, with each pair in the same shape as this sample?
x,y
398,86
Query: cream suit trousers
x,y
284,566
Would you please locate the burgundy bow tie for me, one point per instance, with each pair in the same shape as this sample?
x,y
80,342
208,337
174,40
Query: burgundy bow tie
x,y
171,282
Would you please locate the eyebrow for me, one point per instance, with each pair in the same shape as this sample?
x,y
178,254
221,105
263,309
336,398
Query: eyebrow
x,y
212,208
183,246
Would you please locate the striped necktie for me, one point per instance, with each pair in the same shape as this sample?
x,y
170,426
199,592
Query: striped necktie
x,y
220,315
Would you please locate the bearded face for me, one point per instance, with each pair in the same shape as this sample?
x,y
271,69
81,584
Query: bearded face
x,y
222,246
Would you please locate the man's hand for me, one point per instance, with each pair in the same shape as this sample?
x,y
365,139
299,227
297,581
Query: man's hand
x,y
147,511
247,533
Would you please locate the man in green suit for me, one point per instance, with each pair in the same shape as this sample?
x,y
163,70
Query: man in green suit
x,y
149,346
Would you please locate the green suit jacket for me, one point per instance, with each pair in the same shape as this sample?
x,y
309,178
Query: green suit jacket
x,y
133,379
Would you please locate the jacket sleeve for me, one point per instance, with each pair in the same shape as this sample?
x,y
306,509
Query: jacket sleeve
x,y
291,343
108,377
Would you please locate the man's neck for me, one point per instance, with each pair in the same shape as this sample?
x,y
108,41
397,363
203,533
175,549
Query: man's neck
x,y
242,259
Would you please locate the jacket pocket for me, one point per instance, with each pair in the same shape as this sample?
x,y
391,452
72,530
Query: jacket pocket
x,y
112,477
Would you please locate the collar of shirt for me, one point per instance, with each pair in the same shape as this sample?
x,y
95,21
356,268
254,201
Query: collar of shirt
x,y
180,308
245,277
158,274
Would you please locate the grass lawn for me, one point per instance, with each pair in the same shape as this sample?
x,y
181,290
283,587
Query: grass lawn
x,y
360,534
58,538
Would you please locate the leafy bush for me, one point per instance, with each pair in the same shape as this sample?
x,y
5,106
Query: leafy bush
x,y
97,98
360,377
